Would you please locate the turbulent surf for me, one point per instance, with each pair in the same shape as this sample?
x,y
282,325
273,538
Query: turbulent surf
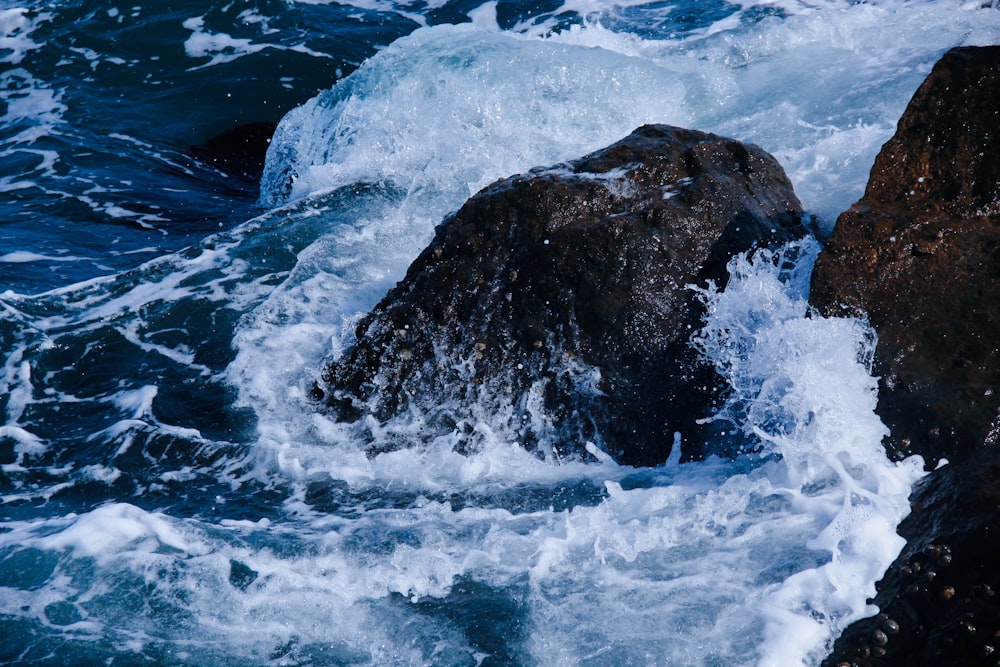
x,y
170,493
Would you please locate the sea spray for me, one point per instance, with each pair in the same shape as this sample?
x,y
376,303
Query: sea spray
x,y
452,108
717,562
270,537
802,389
449,109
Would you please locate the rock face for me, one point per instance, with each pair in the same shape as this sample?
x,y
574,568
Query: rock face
x,y
938,601
920,254
559,298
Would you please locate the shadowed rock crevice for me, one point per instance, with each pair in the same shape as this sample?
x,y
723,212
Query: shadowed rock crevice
x,y
553,306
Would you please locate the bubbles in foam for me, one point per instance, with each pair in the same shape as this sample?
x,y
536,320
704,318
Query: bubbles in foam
x,y
32,109
816,84
426,556
114,527
222,48
813,513
820,88
709,557
452,108
802,386
378,557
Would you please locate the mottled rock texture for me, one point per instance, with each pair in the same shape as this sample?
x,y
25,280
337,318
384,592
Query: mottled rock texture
x,y
920,254
560,297
938,600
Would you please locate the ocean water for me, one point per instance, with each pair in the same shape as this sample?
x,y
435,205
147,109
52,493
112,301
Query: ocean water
x,y
169,495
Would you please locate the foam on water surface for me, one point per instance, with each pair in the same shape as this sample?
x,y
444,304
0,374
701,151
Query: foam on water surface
x,y
447,110
820,88
758,561
171,493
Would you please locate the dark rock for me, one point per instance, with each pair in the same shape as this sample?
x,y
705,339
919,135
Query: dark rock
x,y
939,598
241,575
920,254
239,151
560,296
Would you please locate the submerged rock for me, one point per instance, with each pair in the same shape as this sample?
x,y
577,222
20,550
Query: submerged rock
x,y
239,151
920,255
558,301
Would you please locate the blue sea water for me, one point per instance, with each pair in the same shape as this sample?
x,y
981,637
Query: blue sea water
x,y
169,495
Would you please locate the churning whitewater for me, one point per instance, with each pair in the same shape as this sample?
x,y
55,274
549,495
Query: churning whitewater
x,y
171,494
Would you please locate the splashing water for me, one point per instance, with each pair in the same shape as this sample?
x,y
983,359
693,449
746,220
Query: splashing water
x,y
169,492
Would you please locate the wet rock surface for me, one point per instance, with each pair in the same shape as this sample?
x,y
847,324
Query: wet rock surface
x,y
938,601
920,254
559,297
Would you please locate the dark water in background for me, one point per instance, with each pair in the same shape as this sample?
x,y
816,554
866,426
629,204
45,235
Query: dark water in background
x,y
168,495
117,100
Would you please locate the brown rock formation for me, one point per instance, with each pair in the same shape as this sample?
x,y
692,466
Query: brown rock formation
x,y
920,254
560,297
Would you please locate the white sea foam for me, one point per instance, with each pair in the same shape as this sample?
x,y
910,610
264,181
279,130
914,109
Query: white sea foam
x,y
702,564
761,560
24,257
15,31
32,108
762,565
111,528
716,558
16,385
820,89
450,109
757,562
802,386
388,6
222,48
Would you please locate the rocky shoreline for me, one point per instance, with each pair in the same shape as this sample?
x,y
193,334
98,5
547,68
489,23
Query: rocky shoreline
x,y
561,294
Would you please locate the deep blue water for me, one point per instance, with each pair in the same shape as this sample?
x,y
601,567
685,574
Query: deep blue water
x,y
169,494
